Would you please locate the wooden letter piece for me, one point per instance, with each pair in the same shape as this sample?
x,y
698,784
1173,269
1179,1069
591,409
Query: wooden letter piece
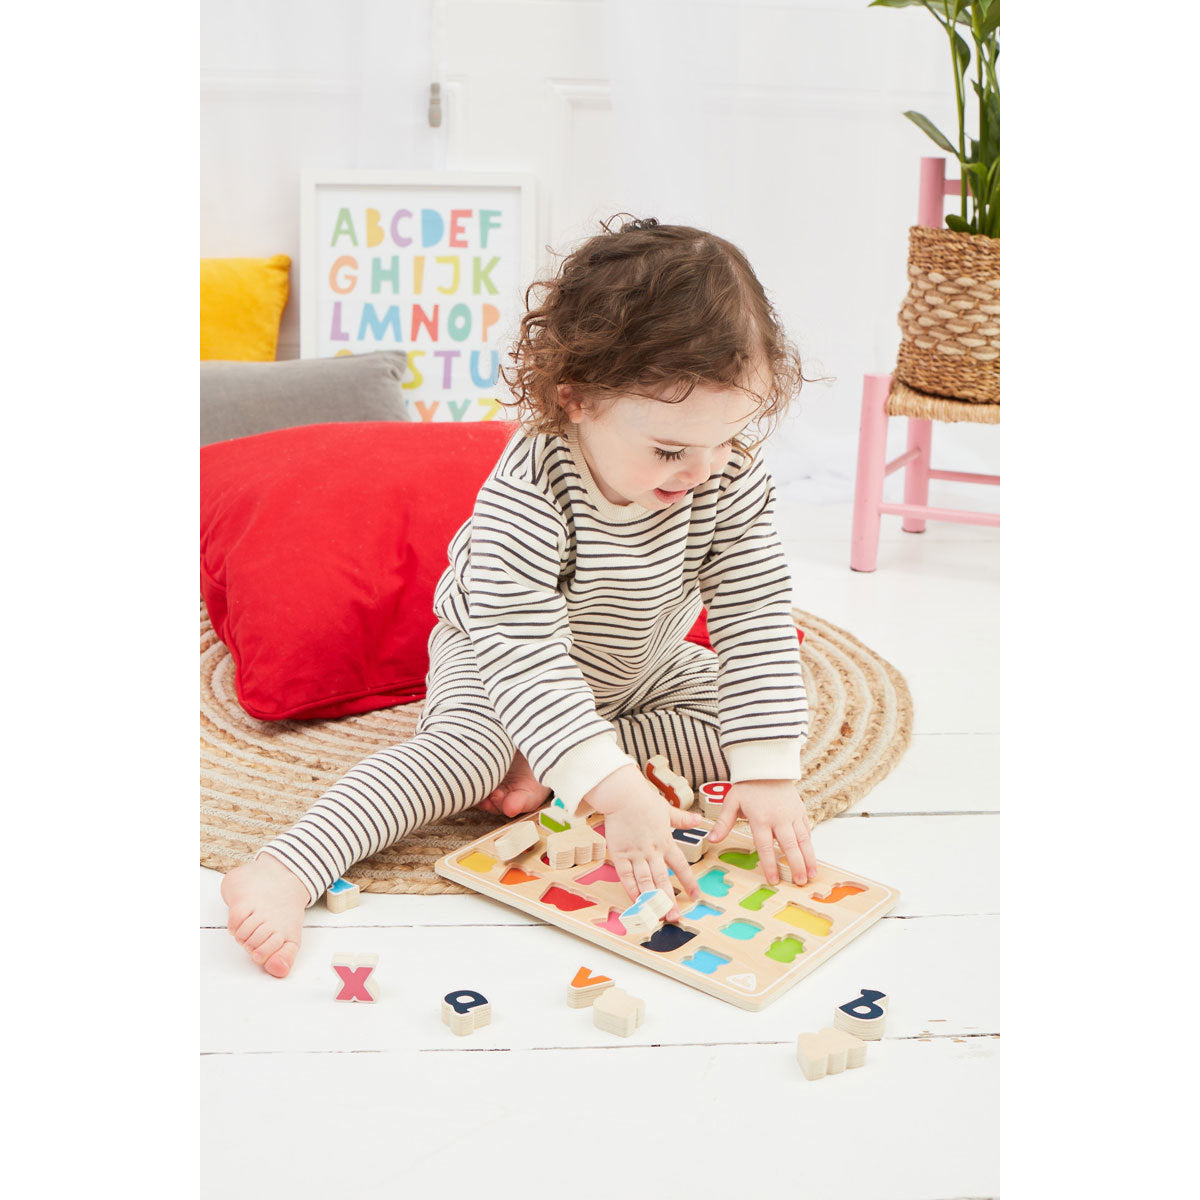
x,y
574,847
342,895
556,819
676,789
585,987
712,798
515,841
829,1052
354,975
864,1017
646,913
465,1011
692,841
616,1011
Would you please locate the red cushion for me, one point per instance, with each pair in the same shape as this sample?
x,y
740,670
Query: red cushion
x,y
320,548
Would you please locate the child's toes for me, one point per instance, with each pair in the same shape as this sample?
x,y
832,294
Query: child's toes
x,y
238,915
246,930
268,946
263,934
280,963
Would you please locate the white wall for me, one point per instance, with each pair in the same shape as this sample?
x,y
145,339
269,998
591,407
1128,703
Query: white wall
x,y
288,84
777,124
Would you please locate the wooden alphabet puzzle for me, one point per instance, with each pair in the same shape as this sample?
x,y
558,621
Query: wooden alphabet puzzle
x,y
743,941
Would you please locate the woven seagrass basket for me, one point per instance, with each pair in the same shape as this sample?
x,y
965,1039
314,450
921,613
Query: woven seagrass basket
x,y
950,318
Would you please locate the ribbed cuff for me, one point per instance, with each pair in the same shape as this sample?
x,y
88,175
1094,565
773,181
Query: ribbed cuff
x,y
584,766
778,758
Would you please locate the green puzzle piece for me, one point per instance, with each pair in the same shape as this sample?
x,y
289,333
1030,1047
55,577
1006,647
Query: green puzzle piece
x,y
785,949
756,899
746,859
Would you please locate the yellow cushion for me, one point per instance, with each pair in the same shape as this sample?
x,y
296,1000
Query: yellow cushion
x,y
241,302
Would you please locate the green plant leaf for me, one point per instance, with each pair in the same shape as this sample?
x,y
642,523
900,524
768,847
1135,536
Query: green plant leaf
x,y
928,127
955,222
962,54
991,17
993,184
977,174
989,120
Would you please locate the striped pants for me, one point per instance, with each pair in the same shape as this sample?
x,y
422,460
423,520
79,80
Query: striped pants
x,y
460,753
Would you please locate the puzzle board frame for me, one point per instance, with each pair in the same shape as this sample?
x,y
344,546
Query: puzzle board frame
x,y
749,978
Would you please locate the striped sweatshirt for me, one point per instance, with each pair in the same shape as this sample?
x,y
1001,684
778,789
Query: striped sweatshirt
x,y
570,600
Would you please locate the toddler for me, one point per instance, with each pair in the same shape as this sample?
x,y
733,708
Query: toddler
x,y
631,497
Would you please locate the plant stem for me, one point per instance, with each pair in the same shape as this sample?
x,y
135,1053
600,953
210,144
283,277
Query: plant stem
x,y
981,214
948,25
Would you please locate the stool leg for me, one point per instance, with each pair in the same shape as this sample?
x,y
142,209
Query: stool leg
x,y
916,473
868,486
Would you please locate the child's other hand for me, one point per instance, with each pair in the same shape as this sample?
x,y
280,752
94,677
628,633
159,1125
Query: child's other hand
x,y
637,827
776,814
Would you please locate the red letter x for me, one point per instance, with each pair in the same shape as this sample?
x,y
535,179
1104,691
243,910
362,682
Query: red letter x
x,y
355,974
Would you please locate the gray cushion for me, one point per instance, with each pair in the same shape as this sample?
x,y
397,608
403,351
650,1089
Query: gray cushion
x,y
238,399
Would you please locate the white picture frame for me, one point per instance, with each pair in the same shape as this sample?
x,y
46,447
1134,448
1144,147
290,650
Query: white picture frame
x,y
433,263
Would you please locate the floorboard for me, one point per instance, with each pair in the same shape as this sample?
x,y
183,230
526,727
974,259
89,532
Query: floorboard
x,y
916,1122
284,1065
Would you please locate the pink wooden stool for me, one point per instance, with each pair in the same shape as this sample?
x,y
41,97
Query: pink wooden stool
x,y
878,403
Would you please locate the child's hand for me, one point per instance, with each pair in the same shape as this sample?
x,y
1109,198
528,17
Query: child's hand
x,y
637,827
776,814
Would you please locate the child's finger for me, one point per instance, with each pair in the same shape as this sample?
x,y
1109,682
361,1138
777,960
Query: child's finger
x,y
644,878
682,819
682,868
729,814
624,869
804,837
764,843
789,844
662,881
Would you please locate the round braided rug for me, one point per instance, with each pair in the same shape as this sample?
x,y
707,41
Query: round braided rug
x,y
259,777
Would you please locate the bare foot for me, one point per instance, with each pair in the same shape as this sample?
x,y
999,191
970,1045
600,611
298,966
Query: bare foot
x,y
519,792
266,912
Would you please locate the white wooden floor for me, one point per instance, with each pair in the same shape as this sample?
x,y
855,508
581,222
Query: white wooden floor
x,y
541,1102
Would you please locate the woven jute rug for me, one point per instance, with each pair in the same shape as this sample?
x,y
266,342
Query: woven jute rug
x,y
259,777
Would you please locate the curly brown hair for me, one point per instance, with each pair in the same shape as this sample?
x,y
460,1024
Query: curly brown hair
x,y
651,310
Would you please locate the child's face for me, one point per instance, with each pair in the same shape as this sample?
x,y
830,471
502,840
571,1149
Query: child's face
x,y
651,453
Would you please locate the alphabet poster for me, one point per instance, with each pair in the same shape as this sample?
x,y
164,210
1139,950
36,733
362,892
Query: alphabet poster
x,y
435,265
